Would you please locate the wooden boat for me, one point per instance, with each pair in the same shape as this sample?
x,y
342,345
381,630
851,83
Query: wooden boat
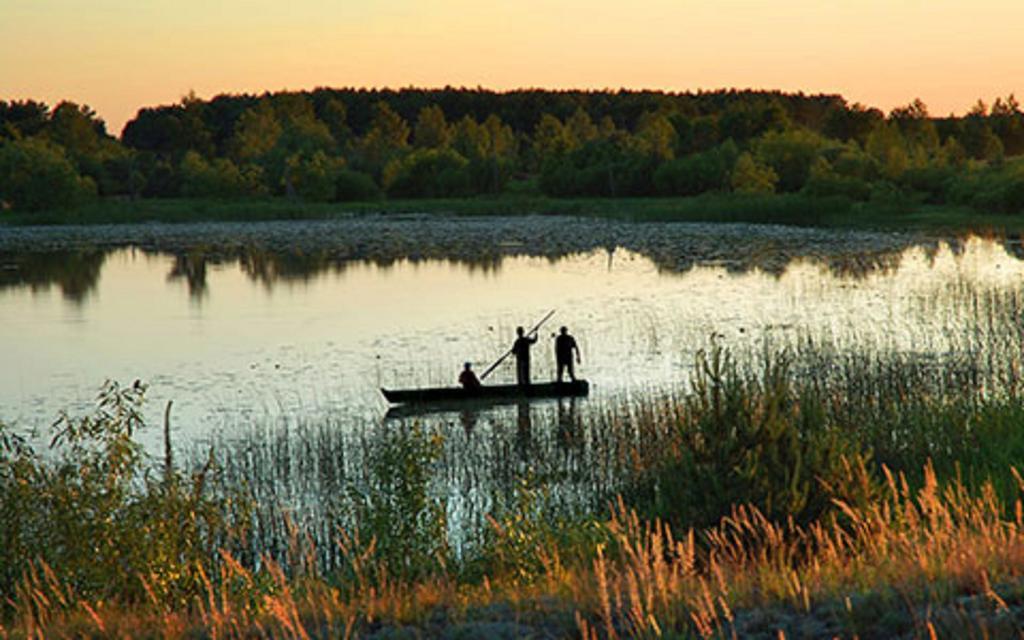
x,y
578,388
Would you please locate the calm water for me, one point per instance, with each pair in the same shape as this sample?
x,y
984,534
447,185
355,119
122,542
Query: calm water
x,y
275,357
233,339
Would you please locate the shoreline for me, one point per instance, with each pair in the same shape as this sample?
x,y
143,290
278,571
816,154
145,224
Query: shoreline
x,y
672,246
776,210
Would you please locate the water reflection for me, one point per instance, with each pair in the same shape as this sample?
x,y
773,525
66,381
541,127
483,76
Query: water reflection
x,y
307,331
191,268
279,366
77,272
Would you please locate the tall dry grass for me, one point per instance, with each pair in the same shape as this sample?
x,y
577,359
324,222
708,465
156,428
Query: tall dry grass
x,y
912,558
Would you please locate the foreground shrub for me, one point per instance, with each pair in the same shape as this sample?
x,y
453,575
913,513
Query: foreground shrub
x,y
760,440
92,511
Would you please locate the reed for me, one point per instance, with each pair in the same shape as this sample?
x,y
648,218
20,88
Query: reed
x,y
799,491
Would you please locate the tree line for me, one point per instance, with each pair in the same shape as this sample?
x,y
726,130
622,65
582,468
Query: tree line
x,y
355,144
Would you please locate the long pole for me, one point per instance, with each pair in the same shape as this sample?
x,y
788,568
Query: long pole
x,y
509,352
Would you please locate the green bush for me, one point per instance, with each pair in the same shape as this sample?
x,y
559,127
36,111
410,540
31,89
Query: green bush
x,y
697,173
603,168
752,178
992,189
92,513
428,173
314,176
217,179
832,185
759,439
932,181
355,185
36,175
790,154
401,525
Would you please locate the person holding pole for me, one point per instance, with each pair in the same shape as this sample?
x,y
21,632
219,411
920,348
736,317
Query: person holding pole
x,y
526,345
521,350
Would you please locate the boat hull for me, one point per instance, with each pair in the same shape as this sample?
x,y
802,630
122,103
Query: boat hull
x,y
578,388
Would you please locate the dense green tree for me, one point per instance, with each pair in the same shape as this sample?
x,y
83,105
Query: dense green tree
x,y
280,135
76,128
551,139
195,135
825,181
750,177
432,130
919,132
256,133
344,143
603,167
742,121
217,179
790,154
697,173
354,185
36,174
889,148
489,172
848,123
953,153
334,114
387,139
655,136
853,162
22,119
314,177
470,139
694,134
1007,123
581,127
427,173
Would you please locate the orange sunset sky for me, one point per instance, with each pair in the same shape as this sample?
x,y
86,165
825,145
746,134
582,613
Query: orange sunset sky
x,y
119,55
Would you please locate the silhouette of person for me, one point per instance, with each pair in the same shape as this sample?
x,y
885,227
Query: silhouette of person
x,y
565,344
521,350
468,379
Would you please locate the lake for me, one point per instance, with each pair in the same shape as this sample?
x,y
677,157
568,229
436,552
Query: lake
x,y
273,339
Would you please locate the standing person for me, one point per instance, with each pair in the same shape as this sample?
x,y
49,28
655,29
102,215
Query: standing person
x,y
564,346
521,350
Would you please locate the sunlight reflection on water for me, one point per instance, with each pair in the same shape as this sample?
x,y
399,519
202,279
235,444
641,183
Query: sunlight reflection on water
x,y
229,341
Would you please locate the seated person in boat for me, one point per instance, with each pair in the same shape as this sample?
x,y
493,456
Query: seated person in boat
x,y
468,378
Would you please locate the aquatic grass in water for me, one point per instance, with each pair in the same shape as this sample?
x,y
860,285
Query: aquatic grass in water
x,y
313,545
773,428
864,483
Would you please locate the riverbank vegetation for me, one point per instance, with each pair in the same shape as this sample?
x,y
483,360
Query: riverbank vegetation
x,y
754,156
810,494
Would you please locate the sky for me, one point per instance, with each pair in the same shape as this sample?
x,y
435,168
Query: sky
x,y
120,55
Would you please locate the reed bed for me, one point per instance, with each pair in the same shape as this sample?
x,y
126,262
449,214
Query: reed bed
x,y
938,561
805,488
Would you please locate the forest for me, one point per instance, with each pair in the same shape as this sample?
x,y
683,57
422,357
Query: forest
x,y
337,145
